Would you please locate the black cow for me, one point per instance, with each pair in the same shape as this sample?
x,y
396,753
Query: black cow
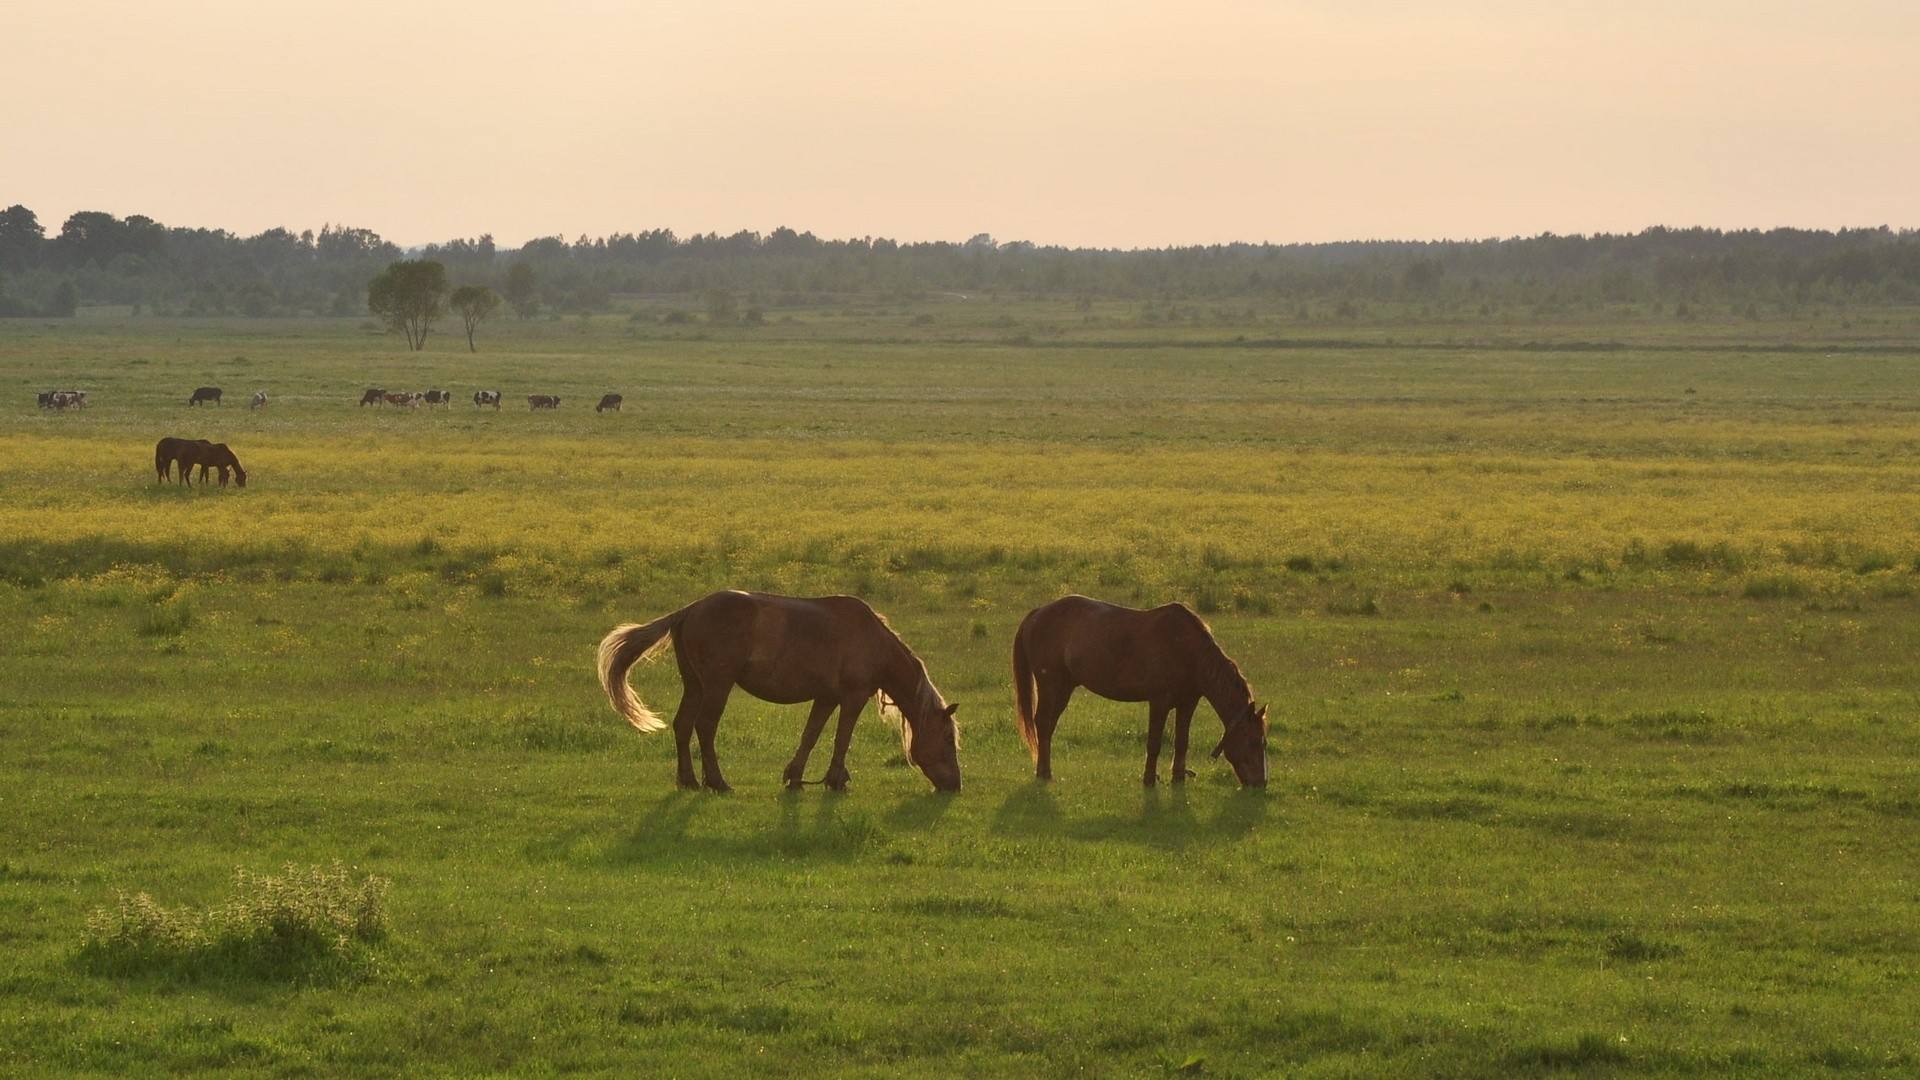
x,y
205,394
611,401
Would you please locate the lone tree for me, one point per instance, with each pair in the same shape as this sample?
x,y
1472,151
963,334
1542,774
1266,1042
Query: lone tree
x,y
522,293
475,303
408,296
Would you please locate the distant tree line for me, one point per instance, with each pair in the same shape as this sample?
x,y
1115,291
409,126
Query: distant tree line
x,y
96,258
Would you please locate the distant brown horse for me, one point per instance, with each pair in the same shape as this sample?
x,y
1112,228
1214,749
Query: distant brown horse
x,y
1166,657
165,453
188,453
834,651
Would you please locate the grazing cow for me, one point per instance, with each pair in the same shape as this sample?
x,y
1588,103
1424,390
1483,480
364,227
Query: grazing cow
x,y
543,401
404,399
487,397
259,399
77,398
439,397
205,394
374,396
610,401
45,398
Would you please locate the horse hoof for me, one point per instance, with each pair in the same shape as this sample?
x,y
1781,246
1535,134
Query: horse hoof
x,y
1149,780
688,783
718,786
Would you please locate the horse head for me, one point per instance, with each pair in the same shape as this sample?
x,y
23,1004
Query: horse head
x,y
930,737
1244,744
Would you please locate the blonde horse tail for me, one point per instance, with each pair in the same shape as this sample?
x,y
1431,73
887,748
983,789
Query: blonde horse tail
x,y
1023,693
624,646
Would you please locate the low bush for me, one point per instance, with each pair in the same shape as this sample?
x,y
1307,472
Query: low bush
x,y
311,920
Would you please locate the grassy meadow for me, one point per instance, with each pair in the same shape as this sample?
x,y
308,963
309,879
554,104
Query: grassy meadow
x,y
1591,644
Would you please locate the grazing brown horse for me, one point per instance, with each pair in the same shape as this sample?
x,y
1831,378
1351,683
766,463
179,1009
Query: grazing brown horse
x,y
834,651
1166,657
165,453
190,452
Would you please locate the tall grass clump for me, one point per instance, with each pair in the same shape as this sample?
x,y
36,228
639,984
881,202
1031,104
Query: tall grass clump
x,y
1775,587
303,922
169,617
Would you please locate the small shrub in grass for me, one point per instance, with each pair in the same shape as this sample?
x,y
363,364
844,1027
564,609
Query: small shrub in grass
x,y
1874,562
303,921
1632,948
1775,587
1589,1049
167,618
1353,605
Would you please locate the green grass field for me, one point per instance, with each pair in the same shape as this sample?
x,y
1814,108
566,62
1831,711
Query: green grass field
x,y
1591,647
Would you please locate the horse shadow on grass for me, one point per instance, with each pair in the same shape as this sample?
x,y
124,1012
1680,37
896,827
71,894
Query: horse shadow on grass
x,y
1167,820
1166,817
803,826
1030,810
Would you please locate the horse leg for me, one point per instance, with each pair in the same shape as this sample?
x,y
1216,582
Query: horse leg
x,y
1053,702
706,724
837,775
816,723
1156,725
683,718
1182,721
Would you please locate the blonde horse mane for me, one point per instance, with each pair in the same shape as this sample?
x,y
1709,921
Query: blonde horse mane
x,y
890,711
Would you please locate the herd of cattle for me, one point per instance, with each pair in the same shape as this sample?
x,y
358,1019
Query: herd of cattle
x,y
77,399
377,395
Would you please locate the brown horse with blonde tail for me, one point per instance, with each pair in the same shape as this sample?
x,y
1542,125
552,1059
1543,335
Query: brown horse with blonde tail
x,y
833,651
1166,657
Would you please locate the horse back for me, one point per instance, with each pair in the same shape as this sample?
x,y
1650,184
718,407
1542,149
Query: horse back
x,y
1123,653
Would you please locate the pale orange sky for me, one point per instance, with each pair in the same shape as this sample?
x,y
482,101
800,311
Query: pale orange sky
x,y
1117,123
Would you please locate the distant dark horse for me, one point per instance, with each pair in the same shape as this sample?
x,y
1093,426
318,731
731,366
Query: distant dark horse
x,y
187,453
834,651
1166,657
610,401
205,394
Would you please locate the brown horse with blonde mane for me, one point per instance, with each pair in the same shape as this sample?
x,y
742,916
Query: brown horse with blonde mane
x,y
833,651
1166,657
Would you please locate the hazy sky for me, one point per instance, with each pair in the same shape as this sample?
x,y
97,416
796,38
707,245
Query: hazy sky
x,y
1114,123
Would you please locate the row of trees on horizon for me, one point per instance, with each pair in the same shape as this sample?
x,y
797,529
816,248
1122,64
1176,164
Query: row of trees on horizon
x,y
97,258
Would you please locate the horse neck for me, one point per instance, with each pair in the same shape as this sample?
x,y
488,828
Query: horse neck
x,y
1223,686
904,679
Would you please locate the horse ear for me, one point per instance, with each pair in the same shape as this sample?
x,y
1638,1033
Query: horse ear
x,y
953,708
1262,717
